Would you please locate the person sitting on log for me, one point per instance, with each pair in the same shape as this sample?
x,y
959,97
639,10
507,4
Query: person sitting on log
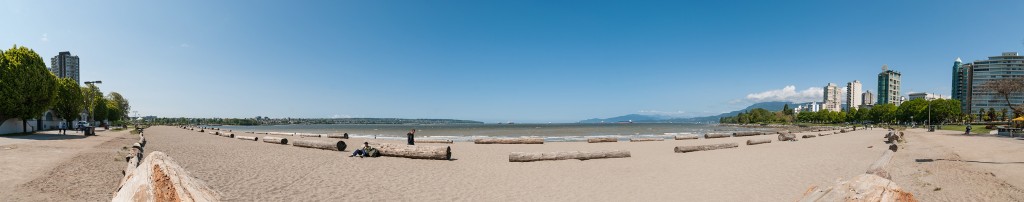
x,y
364,152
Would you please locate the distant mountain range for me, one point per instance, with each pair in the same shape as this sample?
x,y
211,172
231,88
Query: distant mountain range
x,y
643,118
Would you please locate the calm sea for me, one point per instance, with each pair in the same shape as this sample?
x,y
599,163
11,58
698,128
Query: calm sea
x,y
468,132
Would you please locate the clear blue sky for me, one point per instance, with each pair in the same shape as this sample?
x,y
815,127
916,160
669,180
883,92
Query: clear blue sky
x,y
523,61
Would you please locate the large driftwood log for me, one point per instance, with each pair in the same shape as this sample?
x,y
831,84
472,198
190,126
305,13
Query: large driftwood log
x,y
247,138
509,141
843,131
318,144
835,132
809,136
823,134
864,187
133,158
758,141
276,140
602,139
783,132
686,137
341,136
580,155
685,149
279,133
228,135
433,141
878,167
716,135
646,139
159,178
308,135
414,151
787,137
746,133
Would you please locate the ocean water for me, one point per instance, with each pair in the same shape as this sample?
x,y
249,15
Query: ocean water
x,y
468,132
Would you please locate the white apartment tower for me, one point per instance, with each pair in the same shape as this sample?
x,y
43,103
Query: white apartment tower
x,y
853,94
65,65
832,101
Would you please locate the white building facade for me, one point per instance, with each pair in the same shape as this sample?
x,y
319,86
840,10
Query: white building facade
x,y
853,94
832,101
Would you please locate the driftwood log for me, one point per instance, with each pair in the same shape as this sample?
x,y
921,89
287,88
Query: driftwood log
x,y
308,135
341,136
133,158
823,134
159,178
783,132
864,187
787,137
551,156
433,141
228,135
843,131
716,135
414,151
686,137
685,149
836,132
602,139
758,141
318,144
878,167
509,141
746,133
276,140
646,139
247,138
809,136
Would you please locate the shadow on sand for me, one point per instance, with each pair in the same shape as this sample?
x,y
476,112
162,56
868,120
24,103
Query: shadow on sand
x,y
46,137
969,161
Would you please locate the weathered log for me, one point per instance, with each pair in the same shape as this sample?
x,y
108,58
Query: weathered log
x,y
247,138
276,140
843,131
318,144
783,132
646,139
159,178
602,139
716,135
685,149
433,141
142,140
864,187
509,141
809,136
686,137
758,141
836,132
414,151
746,133
308,135
878,167
551,156
228,135
133,158
787,137
279,133
341,136
823,134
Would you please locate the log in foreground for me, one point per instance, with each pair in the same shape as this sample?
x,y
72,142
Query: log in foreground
x,y
318,144
602,139
159,178
646,139
414,151
509,141
686,137
247,138
864,187
434,141
276,140
787,137
685,149
716,135
746,133
758,141
552,156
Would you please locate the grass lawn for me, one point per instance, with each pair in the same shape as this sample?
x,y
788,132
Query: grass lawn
x,y
976,129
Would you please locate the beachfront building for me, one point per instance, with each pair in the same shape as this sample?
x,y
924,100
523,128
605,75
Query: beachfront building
x,y
868,98
832,101
807,107
969,77
888,86
925,96
853,94
65,65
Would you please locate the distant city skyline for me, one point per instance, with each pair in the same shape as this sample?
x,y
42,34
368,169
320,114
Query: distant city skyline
x,y
520,61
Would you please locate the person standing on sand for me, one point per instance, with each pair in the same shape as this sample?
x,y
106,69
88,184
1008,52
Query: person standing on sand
x,y
411,135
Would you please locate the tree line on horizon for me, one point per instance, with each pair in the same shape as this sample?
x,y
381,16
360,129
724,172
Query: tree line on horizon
x,y
913,111
29,90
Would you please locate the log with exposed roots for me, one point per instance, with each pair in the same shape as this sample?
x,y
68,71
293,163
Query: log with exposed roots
x,y
602,139
646,139
551,156
758,141
686,137
746,133
414,151
247,138
433,141
276,140
159,178
509,141
685,149
319,144
716,135
787,137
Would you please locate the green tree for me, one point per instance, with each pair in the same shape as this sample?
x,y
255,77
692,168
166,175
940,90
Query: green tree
x,y
101,110
981,115
885,113
27,88
852,115
122,104
70,101
991,114
786,110
92,95
913,111
1004,114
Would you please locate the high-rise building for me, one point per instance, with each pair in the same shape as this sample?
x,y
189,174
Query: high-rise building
x,y
869,98
888,86
65,65
832,101
853,94
968,79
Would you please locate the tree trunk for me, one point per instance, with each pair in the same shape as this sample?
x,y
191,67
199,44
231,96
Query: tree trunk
x,y
747,133
434,141
341,136
509,141
275,140
645,139
327,145
24,125
602,139
551,156
716,135
247,138
758,141
159,178
414,151
686,137
685,149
